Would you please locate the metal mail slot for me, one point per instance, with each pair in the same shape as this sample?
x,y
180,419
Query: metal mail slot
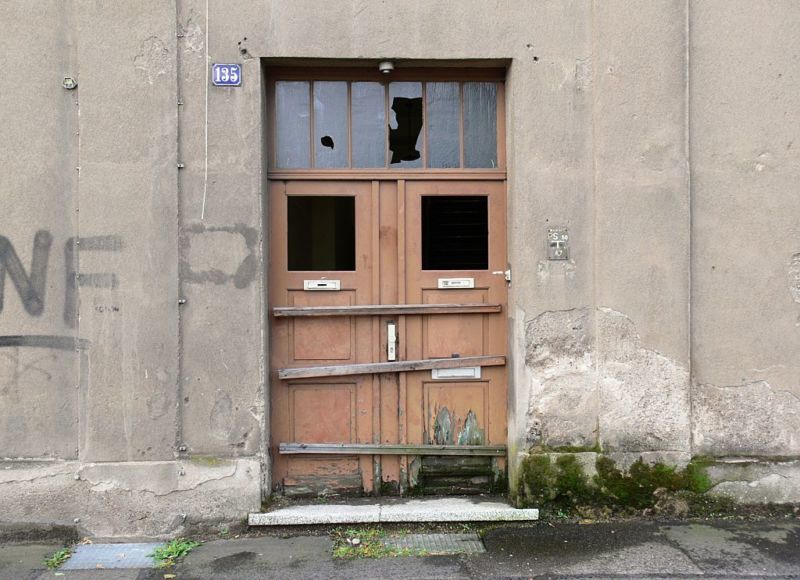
x,y
321,285
445,283
458,373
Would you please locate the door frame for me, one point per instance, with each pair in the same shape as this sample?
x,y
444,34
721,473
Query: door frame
x,y
369,73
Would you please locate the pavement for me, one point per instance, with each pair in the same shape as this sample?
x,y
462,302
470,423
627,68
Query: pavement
x,y
631,549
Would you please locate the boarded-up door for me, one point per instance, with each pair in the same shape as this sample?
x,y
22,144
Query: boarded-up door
x,y
387,298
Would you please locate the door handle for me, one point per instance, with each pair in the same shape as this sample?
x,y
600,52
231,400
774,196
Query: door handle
x,y
391,341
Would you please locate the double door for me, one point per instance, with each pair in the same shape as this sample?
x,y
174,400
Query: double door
x,y
387,304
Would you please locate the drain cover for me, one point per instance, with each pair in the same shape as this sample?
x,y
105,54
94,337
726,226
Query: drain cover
x,y
434,544
94,556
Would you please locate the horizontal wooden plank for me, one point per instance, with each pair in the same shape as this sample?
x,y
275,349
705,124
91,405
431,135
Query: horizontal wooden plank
x,y
386,309
389,449
391,367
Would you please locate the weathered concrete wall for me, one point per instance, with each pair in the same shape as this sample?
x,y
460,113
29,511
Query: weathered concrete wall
x,y
745,132
222,275
40,398
109,243
135,207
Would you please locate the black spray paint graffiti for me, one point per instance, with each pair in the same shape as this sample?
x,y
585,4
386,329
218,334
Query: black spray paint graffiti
x,y
77,280
31,288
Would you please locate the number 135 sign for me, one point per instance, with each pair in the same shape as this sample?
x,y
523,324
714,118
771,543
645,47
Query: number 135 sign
x,y
226,75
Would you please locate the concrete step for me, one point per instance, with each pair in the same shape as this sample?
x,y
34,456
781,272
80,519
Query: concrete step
x,y
385,510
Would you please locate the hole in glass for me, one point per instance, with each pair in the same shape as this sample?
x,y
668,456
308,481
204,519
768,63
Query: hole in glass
x,y
321,232
455,232
403,139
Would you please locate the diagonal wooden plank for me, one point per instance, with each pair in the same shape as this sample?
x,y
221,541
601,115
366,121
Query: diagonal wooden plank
x,y
391,367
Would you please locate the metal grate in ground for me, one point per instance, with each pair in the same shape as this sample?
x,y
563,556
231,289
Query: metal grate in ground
x,y
99,556
438,543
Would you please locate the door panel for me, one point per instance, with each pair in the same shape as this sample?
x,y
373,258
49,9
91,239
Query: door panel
x,y
457,335
320,410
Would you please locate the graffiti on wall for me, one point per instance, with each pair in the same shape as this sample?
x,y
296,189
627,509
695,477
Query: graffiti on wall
x,y
31,283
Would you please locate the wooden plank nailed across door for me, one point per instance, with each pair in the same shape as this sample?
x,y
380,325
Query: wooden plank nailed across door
x,y
391,367
389,449
387,309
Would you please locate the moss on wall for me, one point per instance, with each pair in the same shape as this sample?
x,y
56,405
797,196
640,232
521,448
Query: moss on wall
x,y
563,484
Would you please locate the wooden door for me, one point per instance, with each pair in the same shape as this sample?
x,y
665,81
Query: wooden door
x,y
387,290
466,265
335,432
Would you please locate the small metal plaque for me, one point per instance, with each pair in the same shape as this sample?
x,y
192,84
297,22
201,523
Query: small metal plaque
x,y
458,373
226,75
557,244
322,285
445,283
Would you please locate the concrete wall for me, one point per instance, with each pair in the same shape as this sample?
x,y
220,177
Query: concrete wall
x,y
663,137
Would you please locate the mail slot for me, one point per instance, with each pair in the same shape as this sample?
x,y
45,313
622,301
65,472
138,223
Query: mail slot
x,y
321,285
445,283
457,373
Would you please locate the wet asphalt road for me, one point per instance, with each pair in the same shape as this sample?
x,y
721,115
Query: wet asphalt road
x,y
605,550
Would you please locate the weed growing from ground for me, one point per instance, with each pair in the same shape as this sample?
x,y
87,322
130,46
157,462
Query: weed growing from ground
x,y
366,543
167,556
58,558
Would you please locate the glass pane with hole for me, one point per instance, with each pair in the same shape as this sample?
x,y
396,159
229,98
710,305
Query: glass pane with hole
x,y
292,124
330,124
405,125
480,125
455,232
322,232
368,110
443,115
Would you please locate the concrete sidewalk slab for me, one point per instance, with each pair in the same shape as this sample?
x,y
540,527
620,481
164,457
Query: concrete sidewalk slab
x,y
23,560
396,510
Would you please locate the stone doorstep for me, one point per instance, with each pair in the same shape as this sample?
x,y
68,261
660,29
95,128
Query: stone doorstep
x,y
449,509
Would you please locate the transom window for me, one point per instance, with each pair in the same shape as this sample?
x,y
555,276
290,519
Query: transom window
x,y
396,124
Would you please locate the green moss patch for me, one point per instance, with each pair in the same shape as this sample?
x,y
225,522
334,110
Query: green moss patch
x,y
562,486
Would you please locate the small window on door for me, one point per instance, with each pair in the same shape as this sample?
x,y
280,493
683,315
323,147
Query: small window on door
x,y
455,232
322,233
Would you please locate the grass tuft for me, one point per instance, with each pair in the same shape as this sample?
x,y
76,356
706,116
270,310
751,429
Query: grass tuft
x,y
54,561
166,556
355,543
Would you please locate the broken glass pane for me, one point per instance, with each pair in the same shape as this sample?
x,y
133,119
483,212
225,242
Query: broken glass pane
x,y
369,124
293,124
330,124
480,125
443,109
405,124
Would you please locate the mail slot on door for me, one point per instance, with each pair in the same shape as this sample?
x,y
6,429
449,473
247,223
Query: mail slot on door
x,y
321,285
445,283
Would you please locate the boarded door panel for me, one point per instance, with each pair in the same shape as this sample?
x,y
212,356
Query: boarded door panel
x,y
321,410
476,409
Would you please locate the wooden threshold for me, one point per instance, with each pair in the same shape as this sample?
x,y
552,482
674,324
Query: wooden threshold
x,y
392,367
385,309
389,449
